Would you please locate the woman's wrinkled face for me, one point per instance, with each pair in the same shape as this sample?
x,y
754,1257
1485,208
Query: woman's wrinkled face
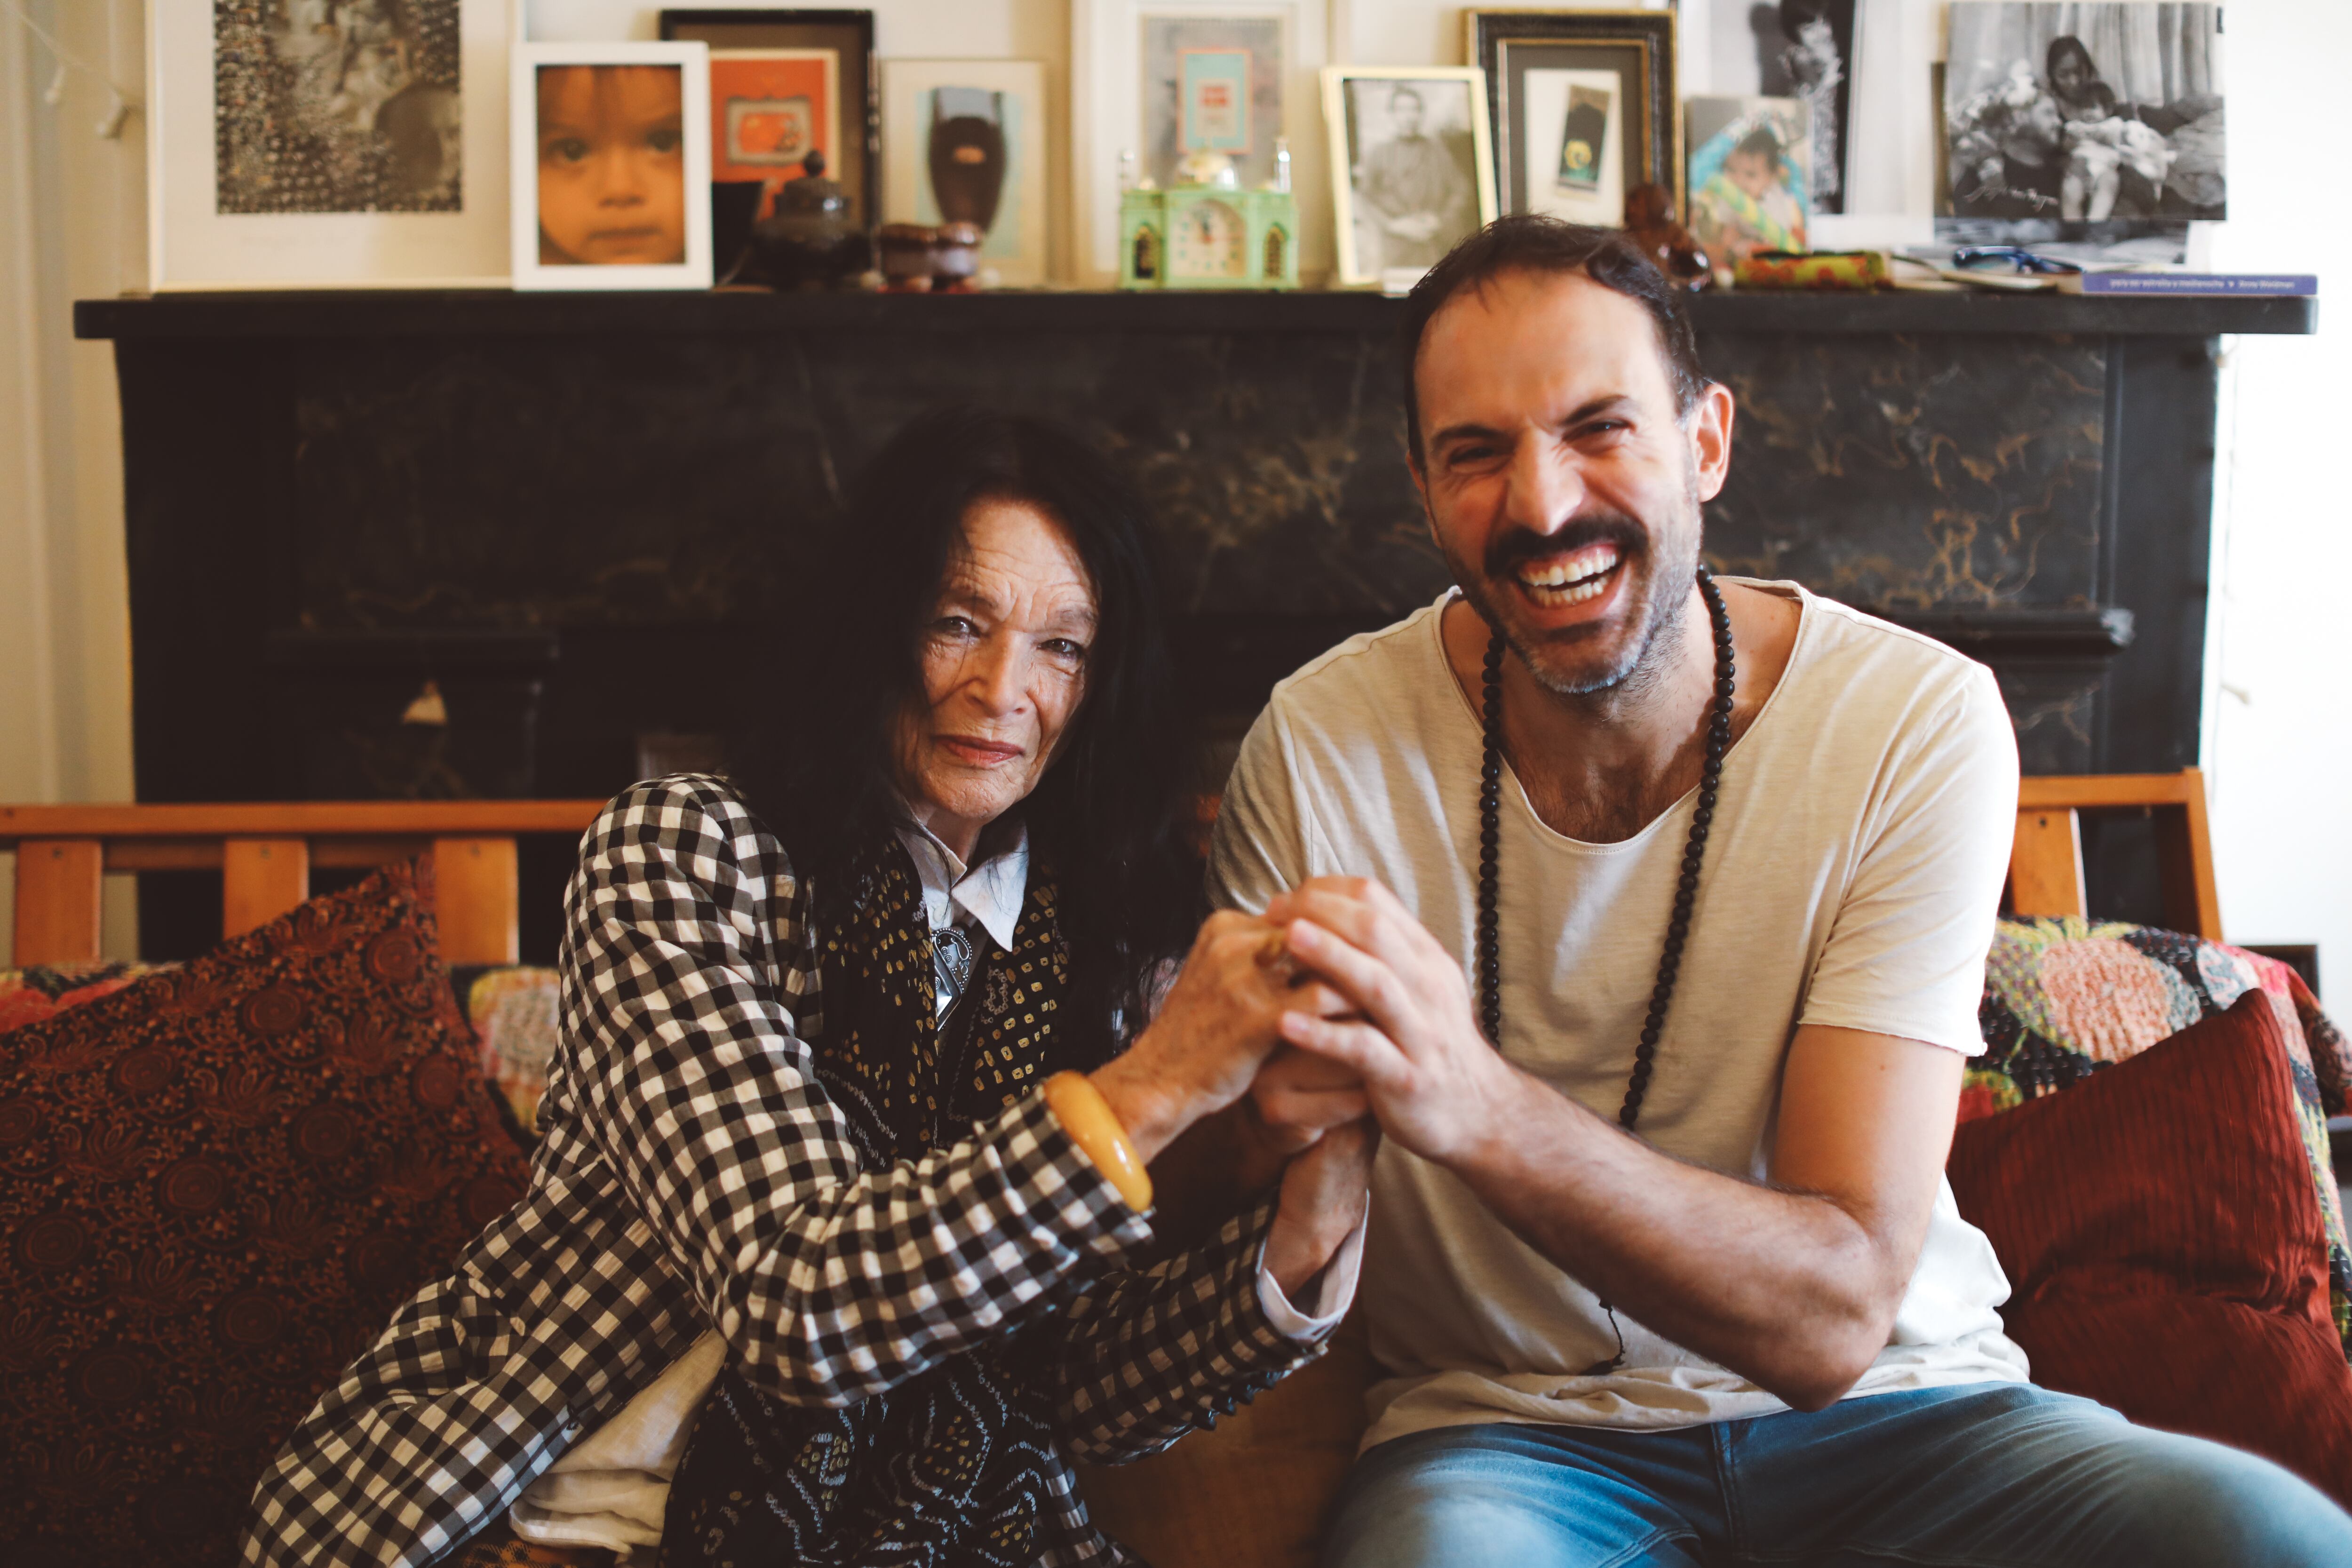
x,y
1004,661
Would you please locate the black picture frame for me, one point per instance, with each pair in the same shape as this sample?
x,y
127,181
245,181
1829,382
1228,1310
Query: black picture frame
x,y
1638,46
850,34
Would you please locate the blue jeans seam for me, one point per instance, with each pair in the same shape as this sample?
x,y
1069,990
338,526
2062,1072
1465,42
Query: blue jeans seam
x,y
1636,1548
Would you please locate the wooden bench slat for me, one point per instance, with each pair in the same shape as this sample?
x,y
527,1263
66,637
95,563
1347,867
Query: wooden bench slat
x,y
298,819
262,879
58,897
2045,864
476,900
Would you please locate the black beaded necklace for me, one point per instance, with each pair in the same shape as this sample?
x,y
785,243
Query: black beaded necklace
x,y
1490,835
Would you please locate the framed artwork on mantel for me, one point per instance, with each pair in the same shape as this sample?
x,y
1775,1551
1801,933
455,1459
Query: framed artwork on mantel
x,y
612,166
966,142
1584,107
745,42
299,146
1138,68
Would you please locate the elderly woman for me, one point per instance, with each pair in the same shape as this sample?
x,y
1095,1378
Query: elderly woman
x,y
841,1147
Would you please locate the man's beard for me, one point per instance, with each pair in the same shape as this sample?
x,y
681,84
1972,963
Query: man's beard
x,y
1668,559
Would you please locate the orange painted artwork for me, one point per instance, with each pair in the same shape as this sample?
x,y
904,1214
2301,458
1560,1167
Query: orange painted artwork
x,y
771,108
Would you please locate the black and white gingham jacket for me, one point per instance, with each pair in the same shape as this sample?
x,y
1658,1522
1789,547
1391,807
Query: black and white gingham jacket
x,y
694,1175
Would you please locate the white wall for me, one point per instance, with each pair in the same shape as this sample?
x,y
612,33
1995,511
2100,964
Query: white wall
x,y
2279,713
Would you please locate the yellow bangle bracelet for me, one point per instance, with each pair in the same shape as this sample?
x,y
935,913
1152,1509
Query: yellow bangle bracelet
x,y
1094,1127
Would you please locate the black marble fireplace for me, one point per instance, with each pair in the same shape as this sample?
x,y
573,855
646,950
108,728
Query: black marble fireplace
x,y
571,514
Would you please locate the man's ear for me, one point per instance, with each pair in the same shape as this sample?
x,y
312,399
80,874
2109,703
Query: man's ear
x,y
1710,439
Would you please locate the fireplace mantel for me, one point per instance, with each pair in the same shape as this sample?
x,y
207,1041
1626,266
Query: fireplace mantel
x,y
392,313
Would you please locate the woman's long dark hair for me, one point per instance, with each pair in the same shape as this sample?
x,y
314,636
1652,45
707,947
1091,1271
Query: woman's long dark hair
x,y
1105,822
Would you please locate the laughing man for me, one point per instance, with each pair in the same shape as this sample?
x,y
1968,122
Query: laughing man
x,y
1673,1276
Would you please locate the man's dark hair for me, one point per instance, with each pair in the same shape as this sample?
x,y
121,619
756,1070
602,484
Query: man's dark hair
x,y
1406,89
1105,822
1529,242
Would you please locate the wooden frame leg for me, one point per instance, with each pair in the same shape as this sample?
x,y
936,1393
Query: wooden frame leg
x,y
2045,866
262,879
477,902
58,886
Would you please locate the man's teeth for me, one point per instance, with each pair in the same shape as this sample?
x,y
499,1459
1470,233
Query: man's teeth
x,y
1571,579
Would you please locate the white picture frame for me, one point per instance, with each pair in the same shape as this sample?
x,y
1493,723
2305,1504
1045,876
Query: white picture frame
x,y
531,270
1357,269
1019,250
192,244
1108,114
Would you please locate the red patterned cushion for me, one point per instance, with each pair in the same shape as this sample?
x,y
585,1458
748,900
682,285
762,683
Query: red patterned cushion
x,y
215,1187
2165,1248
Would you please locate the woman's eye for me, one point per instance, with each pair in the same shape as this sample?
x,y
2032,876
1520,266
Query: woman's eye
x,y
567,150
954,627
1066,647
663,141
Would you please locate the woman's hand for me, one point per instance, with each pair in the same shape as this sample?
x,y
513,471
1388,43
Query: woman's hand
x,y
1221,1019
1298,1095
1324,1193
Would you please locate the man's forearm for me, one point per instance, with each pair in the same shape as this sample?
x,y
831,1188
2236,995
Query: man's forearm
x,y
1787,1288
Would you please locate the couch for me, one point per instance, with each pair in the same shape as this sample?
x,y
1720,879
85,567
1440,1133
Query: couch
x,y
327,1049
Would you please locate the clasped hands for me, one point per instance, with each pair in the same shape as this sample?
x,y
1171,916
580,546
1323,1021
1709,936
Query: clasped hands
x,y
1332,1012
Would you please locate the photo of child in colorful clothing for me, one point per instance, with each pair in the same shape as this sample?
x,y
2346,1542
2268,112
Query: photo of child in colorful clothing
x,y
1751,175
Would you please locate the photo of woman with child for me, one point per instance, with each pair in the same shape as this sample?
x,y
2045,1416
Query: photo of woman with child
x,y
2085,113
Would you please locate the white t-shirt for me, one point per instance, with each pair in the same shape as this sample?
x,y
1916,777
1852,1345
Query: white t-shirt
x,y
1852,878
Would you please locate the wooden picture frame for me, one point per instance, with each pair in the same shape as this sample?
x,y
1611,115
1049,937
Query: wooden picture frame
x,y
849,35
1533,60
539,240
1354,166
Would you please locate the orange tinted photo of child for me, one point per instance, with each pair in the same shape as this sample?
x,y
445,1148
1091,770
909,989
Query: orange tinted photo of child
x,y
612,166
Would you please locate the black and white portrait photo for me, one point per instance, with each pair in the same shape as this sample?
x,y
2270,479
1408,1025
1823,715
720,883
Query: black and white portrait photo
x,y
337,106
1414,168
2089,123
1803,49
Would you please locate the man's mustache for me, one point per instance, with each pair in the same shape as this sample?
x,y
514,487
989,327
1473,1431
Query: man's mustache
x,y
1513,548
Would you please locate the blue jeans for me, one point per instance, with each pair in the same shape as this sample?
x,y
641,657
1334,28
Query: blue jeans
x,y
1987,1476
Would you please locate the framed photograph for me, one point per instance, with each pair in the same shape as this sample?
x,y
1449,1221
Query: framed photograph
x,y
2091,126
739,38
1803,49
1751,168
964,140
1413,172
310,144
770,108
1151,77
1583,107
612,166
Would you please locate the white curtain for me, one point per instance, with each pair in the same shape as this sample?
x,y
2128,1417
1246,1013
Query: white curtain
x,y
72,225
2153,54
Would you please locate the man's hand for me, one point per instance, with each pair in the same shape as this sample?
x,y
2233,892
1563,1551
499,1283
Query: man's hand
x,y
1219,1022
1437,1087
1324,1192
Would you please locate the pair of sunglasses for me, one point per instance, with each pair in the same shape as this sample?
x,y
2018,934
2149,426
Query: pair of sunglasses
x,y
2014,258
